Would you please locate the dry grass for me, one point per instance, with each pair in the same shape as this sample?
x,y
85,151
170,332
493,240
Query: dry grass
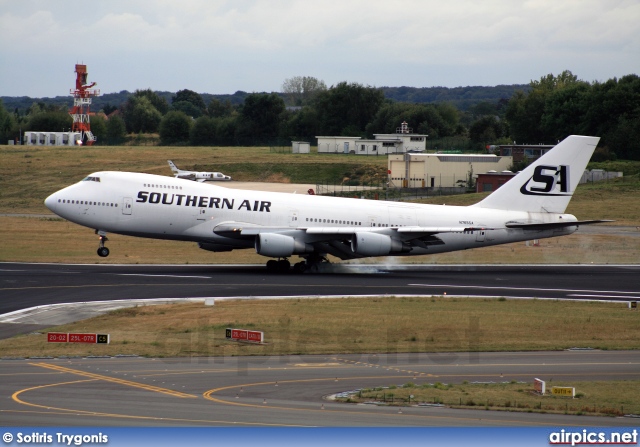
x,y
613,398
322,326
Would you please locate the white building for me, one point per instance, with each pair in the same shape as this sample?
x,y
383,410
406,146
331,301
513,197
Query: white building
x,y
300,147
52,138
403,141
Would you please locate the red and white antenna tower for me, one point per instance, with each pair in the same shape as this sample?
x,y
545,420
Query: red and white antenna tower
x,y
81,101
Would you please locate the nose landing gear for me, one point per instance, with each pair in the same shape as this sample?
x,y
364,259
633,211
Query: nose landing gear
x,y
103,251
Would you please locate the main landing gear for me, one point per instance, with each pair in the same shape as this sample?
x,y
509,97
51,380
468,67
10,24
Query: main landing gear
x,y
103,251
280,266
310,264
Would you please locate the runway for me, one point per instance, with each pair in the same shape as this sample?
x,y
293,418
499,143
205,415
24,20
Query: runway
x,y
31,285
287,390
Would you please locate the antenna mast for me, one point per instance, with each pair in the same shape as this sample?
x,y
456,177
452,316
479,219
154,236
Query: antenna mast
x,y
81,102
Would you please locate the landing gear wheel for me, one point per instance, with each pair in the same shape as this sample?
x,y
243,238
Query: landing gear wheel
x,y
272,266
283,266
300,267
103,251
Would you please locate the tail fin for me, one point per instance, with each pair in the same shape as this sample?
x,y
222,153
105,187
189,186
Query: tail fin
x,y
547,184
173,167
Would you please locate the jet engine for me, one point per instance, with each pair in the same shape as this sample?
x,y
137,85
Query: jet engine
x,y
374,244
280,246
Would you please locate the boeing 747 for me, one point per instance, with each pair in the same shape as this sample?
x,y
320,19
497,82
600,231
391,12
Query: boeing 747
x,y
277,225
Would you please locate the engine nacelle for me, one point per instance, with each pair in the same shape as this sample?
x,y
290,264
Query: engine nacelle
x,y
374,244
276,245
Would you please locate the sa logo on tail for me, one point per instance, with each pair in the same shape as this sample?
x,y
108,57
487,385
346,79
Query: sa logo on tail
x,y
546,179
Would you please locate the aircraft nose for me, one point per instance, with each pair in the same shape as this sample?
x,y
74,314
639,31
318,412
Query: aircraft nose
x,y
51,202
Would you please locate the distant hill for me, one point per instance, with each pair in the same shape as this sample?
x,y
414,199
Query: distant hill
x,y
461,97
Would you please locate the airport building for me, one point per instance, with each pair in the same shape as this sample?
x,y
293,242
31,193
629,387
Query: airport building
x,y
401,142
52,138
300,147
441,170
521,152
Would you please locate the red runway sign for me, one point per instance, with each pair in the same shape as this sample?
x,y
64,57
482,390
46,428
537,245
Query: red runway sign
x,y
245,335
59,337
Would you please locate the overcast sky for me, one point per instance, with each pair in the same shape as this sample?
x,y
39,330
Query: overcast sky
x,y
219,46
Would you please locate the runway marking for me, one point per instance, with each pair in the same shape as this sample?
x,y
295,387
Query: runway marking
x,y
162,276
387,367
75,412
115,380
537,289
360,411
606,296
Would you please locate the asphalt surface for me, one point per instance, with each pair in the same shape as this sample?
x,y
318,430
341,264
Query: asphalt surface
x,y
25,286
282,390
286,391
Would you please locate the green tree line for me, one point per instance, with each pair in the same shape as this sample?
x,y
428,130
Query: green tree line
x,y
545,111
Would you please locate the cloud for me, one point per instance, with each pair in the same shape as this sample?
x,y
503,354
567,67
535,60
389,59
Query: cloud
x,y
255,45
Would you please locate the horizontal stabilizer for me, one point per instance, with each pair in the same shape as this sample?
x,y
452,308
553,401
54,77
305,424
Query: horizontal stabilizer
x,y
552,225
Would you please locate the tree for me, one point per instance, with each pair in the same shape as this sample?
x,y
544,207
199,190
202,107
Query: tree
x,y
7,124
203,132
300,90
524,111
108,109
260,118
50,122
156,100
174,128
116,130
423,118
140,115
219,109
99,128
347,106
486,130
564,111
191,97
187,108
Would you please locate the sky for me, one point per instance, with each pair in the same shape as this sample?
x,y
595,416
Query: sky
x,y
220,46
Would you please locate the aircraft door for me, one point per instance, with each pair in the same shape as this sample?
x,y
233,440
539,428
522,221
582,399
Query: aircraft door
x,y
480,235
293,218
127,206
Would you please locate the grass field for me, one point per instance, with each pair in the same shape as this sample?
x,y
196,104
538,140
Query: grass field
x,y
612,398
350,326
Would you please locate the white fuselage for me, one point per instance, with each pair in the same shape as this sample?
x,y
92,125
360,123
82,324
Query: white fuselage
x,y
161,207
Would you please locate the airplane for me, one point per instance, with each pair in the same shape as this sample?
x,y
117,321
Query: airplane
x,y
198,176
279,225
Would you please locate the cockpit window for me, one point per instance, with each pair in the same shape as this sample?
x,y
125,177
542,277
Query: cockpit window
x,y
91,179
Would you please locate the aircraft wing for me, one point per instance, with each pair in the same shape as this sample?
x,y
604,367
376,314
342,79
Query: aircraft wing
x,y
244,230
186,176
338,241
